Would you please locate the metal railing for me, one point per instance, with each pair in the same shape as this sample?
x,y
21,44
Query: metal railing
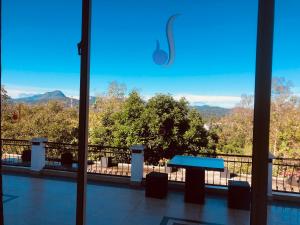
x,y
16,152
286,175
109,160
54,152
101,159
237,167
116,161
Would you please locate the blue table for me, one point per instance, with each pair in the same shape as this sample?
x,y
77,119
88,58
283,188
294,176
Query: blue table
x,y
195,174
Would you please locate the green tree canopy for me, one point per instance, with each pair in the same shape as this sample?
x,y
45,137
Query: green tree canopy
x,y
129,127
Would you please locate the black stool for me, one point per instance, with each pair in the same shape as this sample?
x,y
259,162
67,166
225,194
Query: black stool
x,y
156,185
239,195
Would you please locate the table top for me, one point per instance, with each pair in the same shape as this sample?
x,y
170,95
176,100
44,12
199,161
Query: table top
x,y
197,162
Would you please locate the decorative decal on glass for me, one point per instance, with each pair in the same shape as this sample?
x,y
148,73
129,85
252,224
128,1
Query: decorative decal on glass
x,y
161,57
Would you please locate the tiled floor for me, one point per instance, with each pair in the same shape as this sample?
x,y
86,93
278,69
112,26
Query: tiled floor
x,y
36,201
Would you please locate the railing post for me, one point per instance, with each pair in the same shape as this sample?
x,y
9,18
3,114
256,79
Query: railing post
x,y
137,164
270,174
38,153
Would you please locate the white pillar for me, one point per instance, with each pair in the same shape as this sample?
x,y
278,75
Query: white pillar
x,y
270,175
137,163
38,153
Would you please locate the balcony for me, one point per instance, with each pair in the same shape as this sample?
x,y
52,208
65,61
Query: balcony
x,y
112,200
44,200
285,171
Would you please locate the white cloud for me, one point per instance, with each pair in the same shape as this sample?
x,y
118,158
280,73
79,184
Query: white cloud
x,y
212,100
21,91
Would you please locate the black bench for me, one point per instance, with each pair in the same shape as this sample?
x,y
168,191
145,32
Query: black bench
x,y
239,195
156,185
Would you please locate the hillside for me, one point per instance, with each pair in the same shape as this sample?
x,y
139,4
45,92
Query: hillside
x,y
206,110
49,96
40,98
212,111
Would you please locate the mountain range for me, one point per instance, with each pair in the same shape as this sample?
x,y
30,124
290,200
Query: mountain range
x,y
42,98
50,96
207,111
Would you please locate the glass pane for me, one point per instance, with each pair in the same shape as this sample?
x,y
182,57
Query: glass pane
x,y
285,114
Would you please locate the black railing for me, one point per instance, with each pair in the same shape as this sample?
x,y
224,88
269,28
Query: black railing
x,y
237,167
286,175
101,159
116,161
54,156
16,152
109,160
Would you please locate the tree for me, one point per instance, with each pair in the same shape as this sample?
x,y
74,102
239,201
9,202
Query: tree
x,y
6,106
101,128
4,98
196,136
167,122
111,101
235,130
8,112
102,114
129,127
52,120
285,120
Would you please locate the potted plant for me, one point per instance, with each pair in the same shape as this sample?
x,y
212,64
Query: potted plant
x,y
66,159
26,156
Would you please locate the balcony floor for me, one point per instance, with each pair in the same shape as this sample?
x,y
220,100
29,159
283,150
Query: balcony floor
x,y
36,201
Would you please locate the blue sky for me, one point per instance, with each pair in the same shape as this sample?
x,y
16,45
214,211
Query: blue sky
x,y
215,45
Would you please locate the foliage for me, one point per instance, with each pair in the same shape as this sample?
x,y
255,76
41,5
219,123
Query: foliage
x,y
129,126
196,136
5,105
165,125
235,130
101,120
285,120
166,121
52,120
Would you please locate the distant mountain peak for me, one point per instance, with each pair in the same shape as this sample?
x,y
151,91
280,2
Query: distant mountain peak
x,y
43,98
56,93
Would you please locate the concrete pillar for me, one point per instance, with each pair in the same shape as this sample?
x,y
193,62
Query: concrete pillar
x,y
137,163
270,174
38,153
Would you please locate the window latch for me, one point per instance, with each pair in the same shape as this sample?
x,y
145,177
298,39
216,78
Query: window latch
x,y
79,47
